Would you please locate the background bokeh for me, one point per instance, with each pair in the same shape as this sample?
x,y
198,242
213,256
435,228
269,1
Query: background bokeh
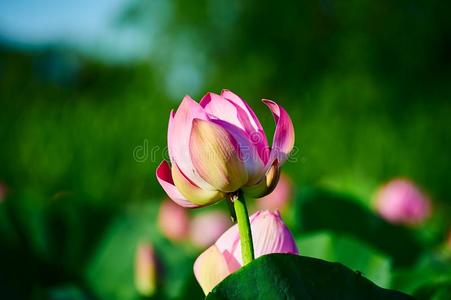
x,y
85,93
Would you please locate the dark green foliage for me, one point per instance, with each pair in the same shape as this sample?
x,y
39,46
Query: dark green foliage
x,y
282,276
319,210
435,291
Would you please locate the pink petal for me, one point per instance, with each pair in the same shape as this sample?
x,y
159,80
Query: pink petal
x,y
237,118
210,268
220,108
251,124
229,241
231,261
247,150
270,235
227,244
216,156
283,140
192,192
179,131
165,179
255,123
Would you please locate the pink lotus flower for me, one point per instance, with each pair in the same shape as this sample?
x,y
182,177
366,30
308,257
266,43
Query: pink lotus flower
x,y
207,227
218,146
280,197
145,270
400,201
173,221
270,235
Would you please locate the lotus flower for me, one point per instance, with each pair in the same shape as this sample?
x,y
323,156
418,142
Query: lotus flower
x,y
218,146
280,197
400,201
207,227
145,270
173,221
270,235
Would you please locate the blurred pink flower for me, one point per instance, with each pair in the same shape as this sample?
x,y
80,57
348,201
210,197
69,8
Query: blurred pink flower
x,y
173,221
3,191
145,270
270,235
207,227
400,201
280,197
218,146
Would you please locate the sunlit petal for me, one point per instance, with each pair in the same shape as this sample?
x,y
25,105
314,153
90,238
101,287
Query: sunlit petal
x,y
210,268
164,177
216,156
283,140
192,192
179,131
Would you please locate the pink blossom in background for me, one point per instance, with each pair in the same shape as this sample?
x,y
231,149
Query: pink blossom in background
x,y
145,270
3,191
280,197
400,201
270,235
173,221
218,146
207,227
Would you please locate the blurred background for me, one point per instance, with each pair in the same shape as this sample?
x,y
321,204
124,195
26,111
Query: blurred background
x,y
85,93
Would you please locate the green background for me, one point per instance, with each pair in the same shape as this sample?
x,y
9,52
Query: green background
x,y
366,83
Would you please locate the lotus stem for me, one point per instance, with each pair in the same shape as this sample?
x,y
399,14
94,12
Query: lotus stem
x,y
244,227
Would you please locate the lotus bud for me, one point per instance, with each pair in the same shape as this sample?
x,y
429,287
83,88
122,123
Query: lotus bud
x,y
173,221
400,201
218,146
270,235
145,270
207,227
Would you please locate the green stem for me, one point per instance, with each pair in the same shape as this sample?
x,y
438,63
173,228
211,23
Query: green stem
x,y
244,227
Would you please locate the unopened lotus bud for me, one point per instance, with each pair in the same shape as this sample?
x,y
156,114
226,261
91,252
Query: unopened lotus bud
x,y
218,146
269,234
207,227
145,270
400,201
173,221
